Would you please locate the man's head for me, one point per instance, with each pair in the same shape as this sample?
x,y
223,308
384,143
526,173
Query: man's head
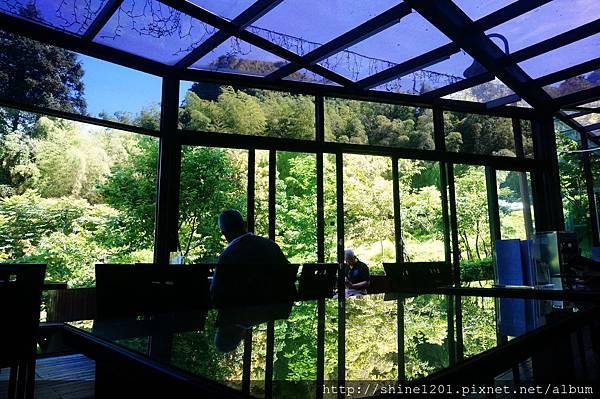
x,y
349,257
232,224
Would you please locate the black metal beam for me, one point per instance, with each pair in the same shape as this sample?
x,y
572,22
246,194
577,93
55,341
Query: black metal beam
x,y
351,93
102,18
247,17
555,42
498,102
405,68
211,139
580,97
361,32
460,85
166,234
583,113
546,183
74,43
77,117
399,243
589,128
455,24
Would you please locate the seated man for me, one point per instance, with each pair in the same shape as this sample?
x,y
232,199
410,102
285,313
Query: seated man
x,y
357,274
251,267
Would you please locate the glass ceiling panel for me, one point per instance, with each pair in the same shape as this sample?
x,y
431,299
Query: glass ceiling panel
x,y
483,93
431,78
153,30
228,9
387,48
302,26
544,22
563,57
476,9
573,85
588,119
237,56
71,16
304,75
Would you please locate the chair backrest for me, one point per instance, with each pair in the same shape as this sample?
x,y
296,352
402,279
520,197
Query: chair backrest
x,y
250,284
128,290
418,275
20,300
317,280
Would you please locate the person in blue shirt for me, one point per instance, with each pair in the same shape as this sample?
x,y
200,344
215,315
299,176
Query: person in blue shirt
x,y
357,274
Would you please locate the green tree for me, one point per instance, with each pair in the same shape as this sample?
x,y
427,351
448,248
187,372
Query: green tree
x,y
39,74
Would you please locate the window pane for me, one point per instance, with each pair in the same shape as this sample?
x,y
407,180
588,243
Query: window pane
x,y
573,187
563,57
261,193
479,134
73,17
296,202
473,224
153,30
515,204
483,93
573,85
228,9
421,211
433,77
359,122
204,193
373,54
75,83
476,9
369,210
209,107
237,56
548,20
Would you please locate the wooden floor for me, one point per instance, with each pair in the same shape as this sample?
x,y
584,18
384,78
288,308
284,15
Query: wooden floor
x,y
61,377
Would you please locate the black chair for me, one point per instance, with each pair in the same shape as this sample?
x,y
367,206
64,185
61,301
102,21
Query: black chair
x,y
418,275
317,280
253,284
20,299
129,290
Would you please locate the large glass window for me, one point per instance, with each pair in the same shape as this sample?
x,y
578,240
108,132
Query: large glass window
x,y
573,186
479,134
359,122
209,107
296,206
473,224
515,205
369,210
212,179
421,211
73,195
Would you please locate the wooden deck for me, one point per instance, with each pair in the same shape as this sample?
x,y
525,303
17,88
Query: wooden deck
x,y
61,377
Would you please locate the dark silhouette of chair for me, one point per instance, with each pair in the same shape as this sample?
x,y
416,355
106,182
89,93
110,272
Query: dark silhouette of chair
x,y
129,290
252,284
418,275
317,280
20,300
